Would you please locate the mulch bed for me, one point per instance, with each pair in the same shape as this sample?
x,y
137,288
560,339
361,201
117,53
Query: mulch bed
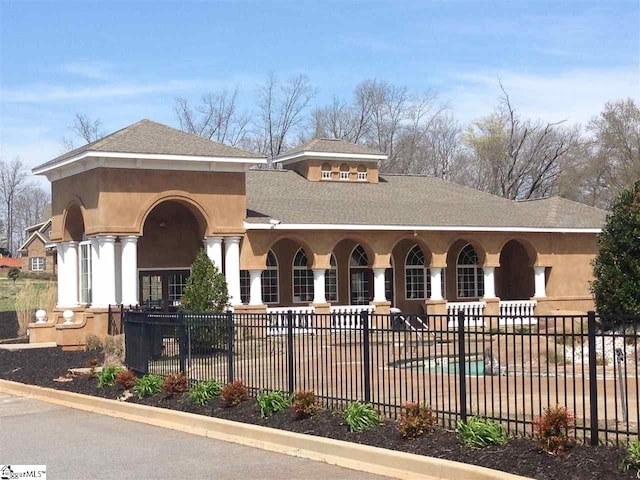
x,y
520,456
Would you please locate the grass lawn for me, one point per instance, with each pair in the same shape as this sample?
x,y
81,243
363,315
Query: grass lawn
x,y
9,290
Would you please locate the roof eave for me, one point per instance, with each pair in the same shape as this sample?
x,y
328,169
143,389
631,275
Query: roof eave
x,y
365,157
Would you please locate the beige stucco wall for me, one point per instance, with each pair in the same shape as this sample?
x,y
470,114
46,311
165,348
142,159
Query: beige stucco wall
x,y
311,169
116,201
567,258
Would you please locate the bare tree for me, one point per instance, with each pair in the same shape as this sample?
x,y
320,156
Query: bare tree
x,y
84,127
13,177
29,209
216,117
516,158
281,109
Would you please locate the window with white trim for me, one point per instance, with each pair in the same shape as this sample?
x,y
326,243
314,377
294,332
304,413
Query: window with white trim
x,y
302,278
326,171
362,173
177,282
414,275
331,281
37,264
469,274
417,277
86,296
344,172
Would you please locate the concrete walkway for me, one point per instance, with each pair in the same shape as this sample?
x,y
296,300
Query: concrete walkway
x,y
79,445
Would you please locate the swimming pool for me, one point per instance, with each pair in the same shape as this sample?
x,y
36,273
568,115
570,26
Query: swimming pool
x,y
446,365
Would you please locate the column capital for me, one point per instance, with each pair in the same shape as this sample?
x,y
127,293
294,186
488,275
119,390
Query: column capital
x,y
71,243
232,240
129,239
106,238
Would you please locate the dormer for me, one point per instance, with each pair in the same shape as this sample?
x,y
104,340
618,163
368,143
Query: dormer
x,y
333,160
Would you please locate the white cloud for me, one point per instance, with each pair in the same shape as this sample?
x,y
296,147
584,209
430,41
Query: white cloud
x,y
572,95
91,70
56,93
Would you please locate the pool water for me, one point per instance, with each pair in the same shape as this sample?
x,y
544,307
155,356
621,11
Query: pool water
x,y
473,367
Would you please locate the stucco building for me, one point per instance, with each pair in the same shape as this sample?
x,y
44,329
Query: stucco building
x,y
327,229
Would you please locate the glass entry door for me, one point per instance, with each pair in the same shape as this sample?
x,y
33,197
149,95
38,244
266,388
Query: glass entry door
x,y
361,293
162,290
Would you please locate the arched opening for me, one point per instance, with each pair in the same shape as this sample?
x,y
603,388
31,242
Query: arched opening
x,y
74,230
360,277
331,281
326,171
172,235
464,274
269,281
344,172
362,173
74,224
514,277
302,278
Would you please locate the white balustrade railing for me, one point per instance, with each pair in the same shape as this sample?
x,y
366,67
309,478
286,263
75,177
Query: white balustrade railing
x,y
349,317
302,320
473,313
517,312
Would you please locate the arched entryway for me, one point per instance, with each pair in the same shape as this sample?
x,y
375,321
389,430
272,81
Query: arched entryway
x,y
515,277
173,233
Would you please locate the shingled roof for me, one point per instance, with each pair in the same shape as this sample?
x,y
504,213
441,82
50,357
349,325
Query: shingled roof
x,y
404,200
330,145
149,137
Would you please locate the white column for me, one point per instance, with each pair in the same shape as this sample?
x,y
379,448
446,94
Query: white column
x,y
489,282
232,268
214,250
118,272
62,271
255,287
129,270
71,274
108,270
319,295
436,283
541,290
378,285
97,292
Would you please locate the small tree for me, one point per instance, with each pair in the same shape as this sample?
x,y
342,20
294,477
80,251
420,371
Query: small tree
x,y
206,289
206,292
617,267
13,274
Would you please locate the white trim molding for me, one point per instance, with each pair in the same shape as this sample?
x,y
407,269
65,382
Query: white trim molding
x,y
413,228
364,157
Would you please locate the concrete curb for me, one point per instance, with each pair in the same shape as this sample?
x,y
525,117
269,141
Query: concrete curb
x,y
335,452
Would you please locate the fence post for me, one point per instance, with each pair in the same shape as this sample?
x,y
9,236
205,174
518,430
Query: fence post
x,y
147,341
462,367
290,367
593,383
230,345
182,350
366,363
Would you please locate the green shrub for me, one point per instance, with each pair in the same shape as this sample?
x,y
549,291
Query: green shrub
x,y
305,403
13,274
107,377
202,392
148,385
361,416
273,402
233,394
416,420
206,292
632,460
552,429
478,432
616,269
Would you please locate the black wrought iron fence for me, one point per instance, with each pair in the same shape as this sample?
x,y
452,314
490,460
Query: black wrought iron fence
x,y
505,368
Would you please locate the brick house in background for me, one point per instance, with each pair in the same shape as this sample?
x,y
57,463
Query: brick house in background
x,y
36,255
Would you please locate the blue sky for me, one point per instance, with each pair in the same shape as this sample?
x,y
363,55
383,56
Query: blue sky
x,y
123,61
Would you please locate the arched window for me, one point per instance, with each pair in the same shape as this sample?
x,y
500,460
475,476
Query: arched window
x,y
269,279
360,275
344,172
414,274
326,171
418,277
331,281
470,278
302,278
362,173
